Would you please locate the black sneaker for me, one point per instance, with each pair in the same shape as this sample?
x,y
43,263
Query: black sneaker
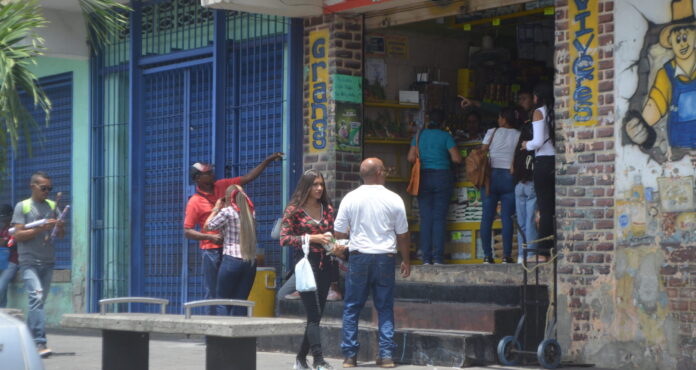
x,y
488,260
508,260
301,364
350,361
322,365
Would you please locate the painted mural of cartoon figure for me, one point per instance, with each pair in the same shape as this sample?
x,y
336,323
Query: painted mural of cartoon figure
x,y
673,92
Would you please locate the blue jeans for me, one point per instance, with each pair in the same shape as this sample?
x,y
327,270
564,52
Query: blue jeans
x,y
210,267
235,279
6,276
503,190
37,284
526,206
434,196
369,273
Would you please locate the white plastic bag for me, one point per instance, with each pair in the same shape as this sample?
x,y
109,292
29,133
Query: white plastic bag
x,y
304,276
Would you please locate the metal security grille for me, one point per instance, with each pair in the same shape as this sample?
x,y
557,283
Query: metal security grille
x,y
172,26
177,115
52,153
204,86
109,242
255,115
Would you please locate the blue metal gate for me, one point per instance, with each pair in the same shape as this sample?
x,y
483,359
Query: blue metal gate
x,y
203,86
255,117
51,153
177,116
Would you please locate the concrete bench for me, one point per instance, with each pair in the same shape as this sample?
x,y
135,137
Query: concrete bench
x,y
230,340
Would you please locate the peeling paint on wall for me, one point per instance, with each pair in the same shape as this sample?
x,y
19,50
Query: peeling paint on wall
x,y
654,308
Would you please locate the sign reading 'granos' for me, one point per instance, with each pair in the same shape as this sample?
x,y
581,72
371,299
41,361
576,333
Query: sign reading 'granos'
x,y
583,32
318,88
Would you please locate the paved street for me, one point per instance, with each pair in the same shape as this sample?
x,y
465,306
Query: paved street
x,y
82,350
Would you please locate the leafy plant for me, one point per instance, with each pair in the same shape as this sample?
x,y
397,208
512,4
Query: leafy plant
x,y
20,46
103,19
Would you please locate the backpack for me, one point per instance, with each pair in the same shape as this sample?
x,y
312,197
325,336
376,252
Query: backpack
x,y
478,166
26,205
523,162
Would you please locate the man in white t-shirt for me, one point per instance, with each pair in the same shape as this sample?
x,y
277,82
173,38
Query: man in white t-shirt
x,y
376,219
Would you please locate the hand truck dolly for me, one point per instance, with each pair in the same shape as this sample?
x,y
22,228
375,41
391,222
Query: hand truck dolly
x,y
548,353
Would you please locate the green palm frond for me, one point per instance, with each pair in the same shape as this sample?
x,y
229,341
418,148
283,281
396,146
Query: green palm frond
x,y
19,48
104,18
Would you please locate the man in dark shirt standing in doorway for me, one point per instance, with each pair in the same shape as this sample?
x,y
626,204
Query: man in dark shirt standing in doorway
x,y
199,206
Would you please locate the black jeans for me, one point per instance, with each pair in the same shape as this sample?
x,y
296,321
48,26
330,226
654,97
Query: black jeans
x,y
545,186
314,303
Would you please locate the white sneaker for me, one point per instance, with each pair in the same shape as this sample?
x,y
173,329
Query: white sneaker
x,y
43,350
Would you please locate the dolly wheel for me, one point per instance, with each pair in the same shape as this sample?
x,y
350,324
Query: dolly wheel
x,y
549,354
505,354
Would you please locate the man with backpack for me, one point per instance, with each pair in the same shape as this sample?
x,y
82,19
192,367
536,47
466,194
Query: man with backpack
x,y
36,252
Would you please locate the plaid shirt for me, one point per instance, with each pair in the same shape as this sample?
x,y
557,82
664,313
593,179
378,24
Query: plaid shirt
x,y
296,222
227,220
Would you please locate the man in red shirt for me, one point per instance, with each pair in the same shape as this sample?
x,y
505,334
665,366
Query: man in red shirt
x,y
199,206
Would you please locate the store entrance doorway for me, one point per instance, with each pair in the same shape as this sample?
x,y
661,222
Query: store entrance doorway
x,y
491,57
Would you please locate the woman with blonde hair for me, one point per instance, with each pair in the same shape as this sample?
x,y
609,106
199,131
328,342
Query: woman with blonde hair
x,y
234,216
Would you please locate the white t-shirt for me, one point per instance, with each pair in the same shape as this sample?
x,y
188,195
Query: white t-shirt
x,y
502,149
374,216
541,143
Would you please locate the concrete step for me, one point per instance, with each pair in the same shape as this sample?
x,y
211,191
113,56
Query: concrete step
x,y
419,314
465,293
495,274
449,348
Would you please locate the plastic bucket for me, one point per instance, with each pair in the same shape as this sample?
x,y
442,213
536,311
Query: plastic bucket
x,y
263,292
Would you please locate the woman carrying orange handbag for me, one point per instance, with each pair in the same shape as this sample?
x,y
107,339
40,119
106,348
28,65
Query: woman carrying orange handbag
x,y
437,151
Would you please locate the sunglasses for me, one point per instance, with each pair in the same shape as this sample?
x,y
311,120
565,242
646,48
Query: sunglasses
x,y
45,188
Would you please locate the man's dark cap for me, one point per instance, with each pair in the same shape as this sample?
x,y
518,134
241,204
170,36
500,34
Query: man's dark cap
x,y
198,168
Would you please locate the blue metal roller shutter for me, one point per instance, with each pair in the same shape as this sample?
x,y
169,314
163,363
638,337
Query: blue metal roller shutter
x,y
52,153
255,129
177,116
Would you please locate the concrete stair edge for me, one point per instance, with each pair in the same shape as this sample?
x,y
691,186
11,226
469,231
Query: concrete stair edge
x,y
413,346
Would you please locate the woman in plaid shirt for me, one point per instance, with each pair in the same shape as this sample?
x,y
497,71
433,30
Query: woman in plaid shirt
x,y
310,212
234,215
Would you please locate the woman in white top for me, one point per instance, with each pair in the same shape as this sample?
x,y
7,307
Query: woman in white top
x,y
501,143
543,143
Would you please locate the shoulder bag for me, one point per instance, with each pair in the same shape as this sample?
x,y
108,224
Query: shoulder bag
x,y
414,182
478,166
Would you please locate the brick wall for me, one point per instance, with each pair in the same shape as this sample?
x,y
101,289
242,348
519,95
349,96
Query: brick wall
x,y
341,169
679,276
584,184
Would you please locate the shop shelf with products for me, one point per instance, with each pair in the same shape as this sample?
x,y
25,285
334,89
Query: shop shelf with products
x,y
389,127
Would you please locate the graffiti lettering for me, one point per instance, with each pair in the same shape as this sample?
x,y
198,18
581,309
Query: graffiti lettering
x,y
583,67
583,27
318,50
581,4
319,94
583,104
315,70
584,22
319,76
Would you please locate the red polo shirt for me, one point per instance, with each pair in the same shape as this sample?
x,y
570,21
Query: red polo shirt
x,y
201,204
